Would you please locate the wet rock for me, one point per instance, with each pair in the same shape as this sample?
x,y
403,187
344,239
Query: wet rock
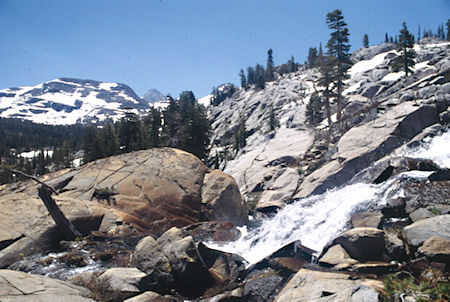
x,y
223,267
426,194
307,285
20,286
440,175
436,248
395,247
222,198
366,219
337,256
420,214
418,232
362,244
212,231
150,259
286,266
395,208
190,274
262,286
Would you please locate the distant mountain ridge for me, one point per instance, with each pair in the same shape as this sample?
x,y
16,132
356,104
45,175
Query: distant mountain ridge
x,y
65,101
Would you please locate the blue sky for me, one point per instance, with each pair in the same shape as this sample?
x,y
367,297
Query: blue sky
x,y
177,45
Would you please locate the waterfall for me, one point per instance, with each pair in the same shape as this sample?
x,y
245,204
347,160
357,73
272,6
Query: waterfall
x,y
317,219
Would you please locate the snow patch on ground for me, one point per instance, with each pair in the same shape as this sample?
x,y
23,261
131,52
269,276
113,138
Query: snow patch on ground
x,y
367,64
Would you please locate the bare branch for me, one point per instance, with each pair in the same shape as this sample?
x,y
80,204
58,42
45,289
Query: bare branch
x,y
33,178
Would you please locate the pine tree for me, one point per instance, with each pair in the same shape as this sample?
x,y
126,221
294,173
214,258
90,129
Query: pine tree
x,y
152,124
319,60
240,134
312,57
273,121
366,41
418,34
292,65
269,76
242,77
251,79
110,141
325,80
386,38
314,113
339,48
259,76
405,47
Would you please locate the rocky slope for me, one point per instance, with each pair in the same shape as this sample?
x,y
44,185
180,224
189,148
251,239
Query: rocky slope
x,y
68,101
382,112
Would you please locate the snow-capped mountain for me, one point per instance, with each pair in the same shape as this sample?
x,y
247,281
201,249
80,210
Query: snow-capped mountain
x,y
66,101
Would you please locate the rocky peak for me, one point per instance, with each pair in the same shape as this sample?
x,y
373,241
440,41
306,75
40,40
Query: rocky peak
x,y
153,96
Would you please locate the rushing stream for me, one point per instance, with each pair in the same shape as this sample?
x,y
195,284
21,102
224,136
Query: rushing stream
x,y
315,220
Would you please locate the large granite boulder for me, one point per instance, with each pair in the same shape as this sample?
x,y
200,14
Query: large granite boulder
x,y
418,232
436,248
362,244
123,282
150,259
20,286
307,285
222,198
159,188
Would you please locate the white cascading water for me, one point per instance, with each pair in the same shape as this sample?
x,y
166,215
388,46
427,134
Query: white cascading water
x,y
315,220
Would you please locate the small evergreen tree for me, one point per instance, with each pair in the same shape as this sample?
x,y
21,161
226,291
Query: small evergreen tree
x,y
251,78
405,47
365,41
312,57
242,77
292,66
259,76
386,38
240,134
325,80
314,112
269,76
273,121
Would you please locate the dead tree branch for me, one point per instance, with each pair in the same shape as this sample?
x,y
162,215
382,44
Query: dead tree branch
x,y
67,229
